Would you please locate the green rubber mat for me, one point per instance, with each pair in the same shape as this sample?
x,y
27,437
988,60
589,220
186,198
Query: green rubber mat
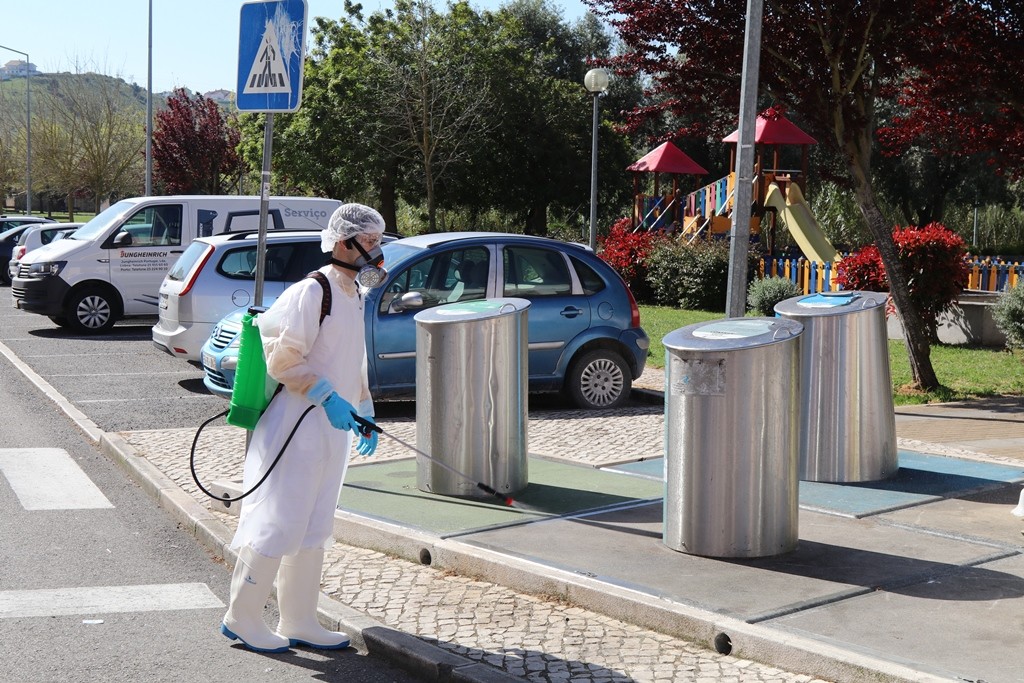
x,y
387,491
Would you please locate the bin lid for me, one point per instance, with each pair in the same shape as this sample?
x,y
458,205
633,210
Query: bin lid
x,y
830,303
478,309
732,333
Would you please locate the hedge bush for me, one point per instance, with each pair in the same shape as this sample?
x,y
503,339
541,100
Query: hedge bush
x,y
1008,313
628,253
933,262
764,293
692,276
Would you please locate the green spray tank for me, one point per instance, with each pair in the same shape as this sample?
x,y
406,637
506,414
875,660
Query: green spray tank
x,y
253,388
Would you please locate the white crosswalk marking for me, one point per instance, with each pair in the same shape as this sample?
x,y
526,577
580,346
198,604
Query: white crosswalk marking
x,y
106,600
48,479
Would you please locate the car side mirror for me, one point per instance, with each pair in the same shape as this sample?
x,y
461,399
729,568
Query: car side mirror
x,y
123,239
407,301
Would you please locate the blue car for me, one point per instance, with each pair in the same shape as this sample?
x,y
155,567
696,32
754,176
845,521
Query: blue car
x,y
584,331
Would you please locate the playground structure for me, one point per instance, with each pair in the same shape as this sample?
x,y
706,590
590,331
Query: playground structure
x,y
661,211
707,211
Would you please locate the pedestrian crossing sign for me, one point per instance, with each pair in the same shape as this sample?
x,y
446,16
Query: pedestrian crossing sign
x,y
271,51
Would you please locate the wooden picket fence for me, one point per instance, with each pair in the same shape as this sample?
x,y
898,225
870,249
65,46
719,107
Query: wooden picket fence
x,y
812,276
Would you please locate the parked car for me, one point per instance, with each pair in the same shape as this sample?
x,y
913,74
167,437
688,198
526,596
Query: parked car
x,y
584,331
112,266
217,274
36,236
11,228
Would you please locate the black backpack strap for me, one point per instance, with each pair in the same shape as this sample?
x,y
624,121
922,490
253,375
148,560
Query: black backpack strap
x,y
325,302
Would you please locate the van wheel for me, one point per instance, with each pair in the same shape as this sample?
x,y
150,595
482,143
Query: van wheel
x,y
599,379
91,311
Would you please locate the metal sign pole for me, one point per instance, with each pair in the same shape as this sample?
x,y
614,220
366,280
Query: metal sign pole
x,y
261,244
739,244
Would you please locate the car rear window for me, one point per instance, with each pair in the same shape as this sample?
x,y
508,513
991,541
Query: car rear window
x,y
285,262
592,282
186,261
532,271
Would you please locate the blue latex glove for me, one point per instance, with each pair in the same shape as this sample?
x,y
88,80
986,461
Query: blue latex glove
x,y
340,413
367,442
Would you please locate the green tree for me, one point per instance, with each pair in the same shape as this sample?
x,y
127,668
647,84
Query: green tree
x,y
433,97
57,156
12,139
538,154
106,119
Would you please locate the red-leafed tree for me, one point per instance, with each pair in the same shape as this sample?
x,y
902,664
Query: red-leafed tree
x,y
935,256
963,96
824,62
194,148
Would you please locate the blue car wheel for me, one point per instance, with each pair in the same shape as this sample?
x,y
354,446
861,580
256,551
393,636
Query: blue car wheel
x,y
599,379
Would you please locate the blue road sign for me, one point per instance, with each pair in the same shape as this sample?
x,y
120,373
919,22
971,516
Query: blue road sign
x,y
271,49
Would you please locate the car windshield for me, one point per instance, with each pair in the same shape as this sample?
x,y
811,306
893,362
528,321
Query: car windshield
x,y
396,253
103,221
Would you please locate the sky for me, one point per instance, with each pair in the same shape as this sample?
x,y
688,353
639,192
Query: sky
x,y
195,42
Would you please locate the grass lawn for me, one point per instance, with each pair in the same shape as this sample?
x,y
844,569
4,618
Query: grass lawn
x,y
964,372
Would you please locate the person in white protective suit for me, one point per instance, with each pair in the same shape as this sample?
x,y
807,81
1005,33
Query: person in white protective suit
x,y
287,523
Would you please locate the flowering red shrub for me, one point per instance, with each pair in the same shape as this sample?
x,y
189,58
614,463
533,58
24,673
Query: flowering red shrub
x,y
933,259
627,251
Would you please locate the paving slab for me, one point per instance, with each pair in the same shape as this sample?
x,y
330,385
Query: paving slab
x,y
965,624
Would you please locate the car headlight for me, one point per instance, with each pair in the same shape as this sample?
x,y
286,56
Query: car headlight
x,y
46,269
236,342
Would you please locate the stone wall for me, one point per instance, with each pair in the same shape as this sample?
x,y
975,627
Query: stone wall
x,y
968,322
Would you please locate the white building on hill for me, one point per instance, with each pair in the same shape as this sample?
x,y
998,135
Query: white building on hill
x,y
17,68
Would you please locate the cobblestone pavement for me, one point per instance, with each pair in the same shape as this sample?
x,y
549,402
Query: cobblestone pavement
x,y
533,637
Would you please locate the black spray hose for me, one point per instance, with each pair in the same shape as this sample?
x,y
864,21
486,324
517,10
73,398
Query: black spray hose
x,y
368,426
225,499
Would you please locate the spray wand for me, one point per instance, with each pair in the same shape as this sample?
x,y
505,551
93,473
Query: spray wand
x,y
367,427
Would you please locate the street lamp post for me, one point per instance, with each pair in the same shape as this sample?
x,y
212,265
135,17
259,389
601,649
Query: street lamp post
x,y
149,107
28,128
596,81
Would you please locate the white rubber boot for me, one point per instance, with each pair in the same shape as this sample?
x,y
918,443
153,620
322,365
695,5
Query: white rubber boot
x,y
251,584
298,589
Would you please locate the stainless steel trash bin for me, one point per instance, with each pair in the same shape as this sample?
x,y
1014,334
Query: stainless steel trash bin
x,y
731,437
847,419
471,397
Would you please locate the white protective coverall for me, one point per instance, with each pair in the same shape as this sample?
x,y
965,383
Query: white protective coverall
x,y
293,510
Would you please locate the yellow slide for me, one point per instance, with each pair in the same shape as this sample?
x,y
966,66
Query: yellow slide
x,y
800,222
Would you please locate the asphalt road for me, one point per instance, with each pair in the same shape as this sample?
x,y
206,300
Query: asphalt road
x,y
112,590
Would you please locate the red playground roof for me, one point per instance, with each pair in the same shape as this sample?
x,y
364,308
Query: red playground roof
x,y
667,158
780,131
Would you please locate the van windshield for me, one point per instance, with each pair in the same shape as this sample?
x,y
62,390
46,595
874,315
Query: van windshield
x,y
103,221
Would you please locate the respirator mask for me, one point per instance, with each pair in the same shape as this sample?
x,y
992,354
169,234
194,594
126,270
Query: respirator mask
x,y
369,266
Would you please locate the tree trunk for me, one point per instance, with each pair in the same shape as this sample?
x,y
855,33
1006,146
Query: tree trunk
x,y
537,218
71,207
388,197
431,202
914,332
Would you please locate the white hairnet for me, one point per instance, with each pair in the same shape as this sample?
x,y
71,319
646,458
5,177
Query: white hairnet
x,y
349,220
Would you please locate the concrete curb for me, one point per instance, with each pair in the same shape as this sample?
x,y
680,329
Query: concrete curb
x,y
713,631
426,661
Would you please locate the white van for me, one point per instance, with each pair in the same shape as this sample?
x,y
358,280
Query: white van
x,y
112,267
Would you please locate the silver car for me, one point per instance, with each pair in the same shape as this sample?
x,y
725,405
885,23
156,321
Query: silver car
x,y
37,236
217,274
